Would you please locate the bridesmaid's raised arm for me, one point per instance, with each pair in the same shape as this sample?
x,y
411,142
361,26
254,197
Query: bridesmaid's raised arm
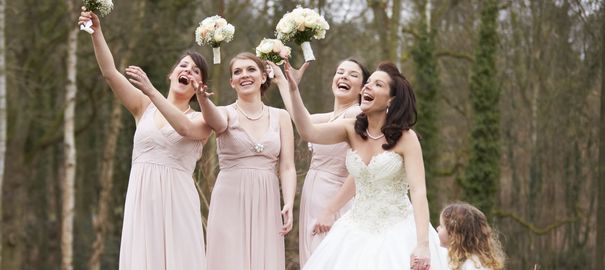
x,y
327,133
132,98
195,129
214,116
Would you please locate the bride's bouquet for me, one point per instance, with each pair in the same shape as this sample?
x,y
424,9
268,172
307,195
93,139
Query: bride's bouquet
x,y
213,31
99,7
301,25
273,50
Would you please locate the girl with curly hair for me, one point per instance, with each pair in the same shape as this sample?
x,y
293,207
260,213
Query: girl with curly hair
x,y
471,242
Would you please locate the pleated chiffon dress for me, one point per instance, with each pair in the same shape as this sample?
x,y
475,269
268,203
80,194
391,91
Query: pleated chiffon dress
x,y
244,220
162,226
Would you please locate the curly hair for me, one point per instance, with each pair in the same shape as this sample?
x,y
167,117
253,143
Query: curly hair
x,y
401,114
470,235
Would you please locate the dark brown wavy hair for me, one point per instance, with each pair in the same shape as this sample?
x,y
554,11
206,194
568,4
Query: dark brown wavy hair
x,y
401,113
199,61
260,63
470,235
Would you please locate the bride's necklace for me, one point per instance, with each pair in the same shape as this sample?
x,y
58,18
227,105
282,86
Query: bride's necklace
x,y
337,115
374,137
251,118
188,109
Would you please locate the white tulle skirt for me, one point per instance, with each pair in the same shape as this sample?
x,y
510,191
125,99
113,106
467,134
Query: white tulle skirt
x,y
349,246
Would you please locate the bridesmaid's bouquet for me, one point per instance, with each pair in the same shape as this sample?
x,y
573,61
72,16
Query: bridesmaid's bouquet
x,y
301,25
273,50
213,31
99,7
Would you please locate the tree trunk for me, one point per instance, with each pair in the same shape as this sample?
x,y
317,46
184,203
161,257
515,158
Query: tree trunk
x,y
427,85
600,259
2,113
381,24
101,220
482,176
394,32
69,148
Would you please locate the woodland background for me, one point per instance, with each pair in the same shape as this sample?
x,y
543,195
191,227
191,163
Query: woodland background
x,y
510,97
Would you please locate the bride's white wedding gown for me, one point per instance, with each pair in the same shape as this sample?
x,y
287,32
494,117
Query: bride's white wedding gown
x,y
379,231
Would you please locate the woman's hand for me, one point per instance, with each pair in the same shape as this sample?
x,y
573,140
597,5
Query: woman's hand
x,y
324,222
90,16
139,79
201,91
286,213
290,76
278,75
421,257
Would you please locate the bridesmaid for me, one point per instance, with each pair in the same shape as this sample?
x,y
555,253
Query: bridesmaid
x,y
327,173
162,220
245,229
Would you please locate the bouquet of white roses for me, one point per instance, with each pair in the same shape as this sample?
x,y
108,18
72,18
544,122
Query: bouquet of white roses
x,y
213,31
301,25
273,50
99,7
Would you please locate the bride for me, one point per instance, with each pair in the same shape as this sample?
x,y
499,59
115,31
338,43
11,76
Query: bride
x,y
379,231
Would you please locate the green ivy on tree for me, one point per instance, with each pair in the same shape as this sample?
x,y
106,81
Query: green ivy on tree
x,y
481,179
426,86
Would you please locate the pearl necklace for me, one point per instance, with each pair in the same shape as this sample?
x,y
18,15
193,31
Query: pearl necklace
x,y
373,137
237,107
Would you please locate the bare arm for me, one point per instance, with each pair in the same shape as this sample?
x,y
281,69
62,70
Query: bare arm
x,y
327,133
196,129
215,118
287,169
344,195
414,167
132,98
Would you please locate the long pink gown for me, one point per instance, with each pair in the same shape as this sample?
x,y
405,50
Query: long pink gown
x,y
324,179
244,219
162,219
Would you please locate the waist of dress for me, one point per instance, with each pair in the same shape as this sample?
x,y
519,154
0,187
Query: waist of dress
x,y
246,167
336,166
330,170
163,163
378,215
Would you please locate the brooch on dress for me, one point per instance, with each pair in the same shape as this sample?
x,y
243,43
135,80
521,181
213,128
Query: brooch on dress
x,y
258,148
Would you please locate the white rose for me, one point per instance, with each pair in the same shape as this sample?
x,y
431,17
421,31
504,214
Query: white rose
x,y
265,46
221,22
218,37
310,22
299,21
277,46
286,51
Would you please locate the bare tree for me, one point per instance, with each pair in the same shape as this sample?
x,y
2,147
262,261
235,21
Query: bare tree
x,y
69,148
2,111
600,260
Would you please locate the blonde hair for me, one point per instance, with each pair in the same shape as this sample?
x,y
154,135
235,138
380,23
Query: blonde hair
x,y
470,235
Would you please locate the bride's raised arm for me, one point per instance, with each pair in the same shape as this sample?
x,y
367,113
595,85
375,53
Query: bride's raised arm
x,y
326,133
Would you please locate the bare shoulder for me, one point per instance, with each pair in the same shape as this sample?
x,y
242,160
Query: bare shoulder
x,y
283,114
409,141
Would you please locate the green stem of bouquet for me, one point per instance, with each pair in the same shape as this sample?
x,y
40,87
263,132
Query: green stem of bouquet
x,y
304,36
